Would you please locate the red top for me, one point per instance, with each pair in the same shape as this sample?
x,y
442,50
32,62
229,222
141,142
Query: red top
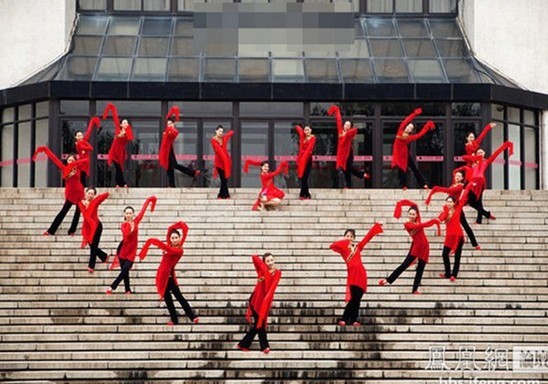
x,y
83,147
356,273
471,148
479,166
170,257
400,149
455,190
117,152
74,190
168,138
91,217
420,247
263,294
222,157
453,229
267,181
130,233
306,147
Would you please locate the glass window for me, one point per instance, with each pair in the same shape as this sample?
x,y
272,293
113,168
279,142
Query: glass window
x,y
287,71
77,68
87,45
513,115
127,5
286,147
133,108
204,108
359,49
466,109
391,71
529,117
445,28
40,167
497,112
156,27
184,28
183,46
279,109
8,115
419,48
156,5
379,6
254,143
92,25
443,6
514,162
460,71
74,107
321,71
426,71
222,70
412,28
380,27
25,112
497,168
184,70
358,29
92,5
23,155
149,69
145,171
6,171
452,48
430,150
119,46
113,69
124,26
356,71
386,48
460,131
408,6
42,109
253,70
153,46
531,166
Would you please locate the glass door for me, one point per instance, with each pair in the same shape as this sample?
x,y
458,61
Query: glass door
x,y
254,145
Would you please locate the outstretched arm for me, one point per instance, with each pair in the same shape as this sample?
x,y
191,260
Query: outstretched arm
x,y
149,201
95,122
334,110
373,231
180,225
408,120
449,190
248,162
50,154
283,167
429,126
484,133
178,251
228,136
507,145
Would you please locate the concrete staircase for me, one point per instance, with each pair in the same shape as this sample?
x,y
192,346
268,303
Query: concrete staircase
x,y
57,324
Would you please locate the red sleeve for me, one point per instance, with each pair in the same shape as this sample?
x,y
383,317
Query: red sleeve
x,y
444,214
180,225
507,145
340,246
426,224
351,133
426,127
375,230
50,155
283,167
403,203
449,190
149,201
125,227
248,162
408,120
98,200
228,136
269,297
111,108
129,133
300,132
483,133
95,122
334,110
259,265
303,159
471,158
85,145
175,112
176,251
219,152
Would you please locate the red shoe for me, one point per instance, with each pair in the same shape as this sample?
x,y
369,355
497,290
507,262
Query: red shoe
x,y
197,173
128,293
442,275
125,186
382,282
342,323
404,189
302,198
46,233
109,291
170,323
416,293
91,270
356,324
453,279
478,248
491,217
196,320
425,186
266,351
366,175
243,349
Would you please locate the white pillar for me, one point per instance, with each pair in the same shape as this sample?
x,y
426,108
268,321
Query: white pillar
x,y
543,161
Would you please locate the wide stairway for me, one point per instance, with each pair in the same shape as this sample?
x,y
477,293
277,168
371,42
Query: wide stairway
x,y
58,325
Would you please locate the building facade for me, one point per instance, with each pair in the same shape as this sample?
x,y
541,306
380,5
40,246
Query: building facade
x,y
260,68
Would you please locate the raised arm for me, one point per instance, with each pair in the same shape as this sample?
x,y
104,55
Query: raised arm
x,y
95,122
176,251
249,162
50,154
174,112
334,110
228,136
507,145
300,132
283,167
408,120
373,231
455,190
429,126
180,225
149,201
484,132
340,246
111,109
99,199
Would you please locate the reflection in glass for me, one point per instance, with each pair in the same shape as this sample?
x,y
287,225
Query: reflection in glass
x,y
204,108
254,143
452,48
513,115
380,6
253,70
497,111
529,117
286,143
183,46
92,5
145,171
460,131
359,49
40,167
408,6
222,70
321,71
287,71
443,6
426,71
149,69
91,25
77,68
460,71
124,26
127,5
431,144
119,46
156,27
278,109
444,28
419,48
391,71
386,48
380,27
42,109
531,161
25,112
134,108
156,5
466,109
87,46
514,166
356,71
74,107
23,155
412,28
6,171
113,69
497,168
184,28
153,46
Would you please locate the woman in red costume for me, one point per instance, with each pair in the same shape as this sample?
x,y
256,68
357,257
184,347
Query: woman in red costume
x,y
356,278
260,301
167,158
74,190
476,183
472,144
117,154
127,249
92,228
420,248
166,281
307,141
222,164
455,190
401,158
345,152
270,196
84,148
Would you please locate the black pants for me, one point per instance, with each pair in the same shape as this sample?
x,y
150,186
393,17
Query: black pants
x,y
94,249
350,170
476,203
468,230
173,165
125,266
406,263
447,262
403,174
174,288
223,191
61,215
305,193
250,335
352,310
119,175
83,179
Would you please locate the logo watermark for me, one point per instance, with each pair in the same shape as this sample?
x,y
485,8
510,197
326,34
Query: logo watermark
x,y
529,358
